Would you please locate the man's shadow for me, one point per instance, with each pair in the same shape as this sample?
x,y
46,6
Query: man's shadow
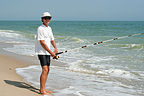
x,y
22,85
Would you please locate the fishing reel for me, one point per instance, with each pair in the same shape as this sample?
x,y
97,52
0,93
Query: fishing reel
x,y
56,57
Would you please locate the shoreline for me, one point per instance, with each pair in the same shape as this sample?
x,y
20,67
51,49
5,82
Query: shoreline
x,y
13,83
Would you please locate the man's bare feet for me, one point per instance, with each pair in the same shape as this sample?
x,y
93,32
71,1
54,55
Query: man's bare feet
x,y
44,93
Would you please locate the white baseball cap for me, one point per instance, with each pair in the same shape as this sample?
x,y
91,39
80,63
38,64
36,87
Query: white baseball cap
x,y
46,14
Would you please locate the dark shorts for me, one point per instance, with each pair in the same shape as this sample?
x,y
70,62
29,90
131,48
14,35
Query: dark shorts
x,y
44,60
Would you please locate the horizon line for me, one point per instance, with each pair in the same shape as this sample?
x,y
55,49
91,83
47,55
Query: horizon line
x,y
78,20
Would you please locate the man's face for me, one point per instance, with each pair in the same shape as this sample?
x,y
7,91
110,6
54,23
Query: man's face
x,y
46,20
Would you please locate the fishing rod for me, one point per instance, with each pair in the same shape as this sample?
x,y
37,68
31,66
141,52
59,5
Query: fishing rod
x,y
96,43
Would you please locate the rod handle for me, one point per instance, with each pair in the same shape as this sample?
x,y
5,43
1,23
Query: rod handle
x,y
59,53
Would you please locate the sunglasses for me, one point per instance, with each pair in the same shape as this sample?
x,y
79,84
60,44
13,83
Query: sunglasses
x,y
47,18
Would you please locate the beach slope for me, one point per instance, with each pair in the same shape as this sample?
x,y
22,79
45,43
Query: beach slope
x,y
11,84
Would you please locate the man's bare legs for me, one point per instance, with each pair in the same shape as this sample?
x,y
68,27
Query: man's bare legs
x,y
43,79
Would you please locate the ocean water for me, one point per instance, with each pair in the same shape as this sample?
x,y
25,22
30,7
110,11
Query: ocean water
x,y
108,69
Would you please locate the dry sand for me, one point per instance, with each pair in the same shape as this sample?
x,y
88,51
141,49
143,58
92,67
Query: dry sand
x,y
11,84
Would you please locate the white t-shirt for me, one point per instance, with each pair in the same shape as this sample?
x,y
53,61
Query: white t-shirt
x,y
43,33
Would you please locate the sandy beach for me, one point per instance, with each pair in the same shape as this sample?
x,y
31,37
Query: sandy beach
x,y
11,83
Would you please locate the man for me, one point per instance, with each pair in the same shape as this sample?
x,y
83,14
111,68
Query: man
x,y
44,38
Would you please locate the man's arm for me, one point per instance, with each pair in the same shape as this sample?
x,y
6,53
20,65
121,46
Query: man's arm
x,y
54,45
42,42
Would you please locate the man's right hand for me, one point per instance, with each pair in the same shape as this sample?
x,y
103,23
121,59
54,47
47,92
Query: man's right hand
x,y
53,54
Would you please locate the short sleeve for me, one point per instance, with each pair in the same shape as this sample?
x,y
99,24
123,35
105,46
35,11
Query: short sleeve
x,y
40,34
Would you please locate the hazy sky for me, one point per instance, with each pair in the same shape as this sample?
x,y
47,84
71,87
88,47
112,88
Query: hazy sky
x,y
93,10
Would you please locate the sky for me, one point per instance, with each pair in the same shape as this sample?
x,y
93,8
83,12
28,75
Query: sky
x,y
73,10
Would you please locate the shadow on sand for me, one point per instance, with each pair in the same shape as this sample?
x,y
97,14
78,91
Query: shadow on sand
x,y
22,85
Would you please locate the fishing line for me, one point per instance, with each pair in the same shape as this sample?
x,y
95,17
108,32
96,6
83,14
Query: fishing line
x,y
139,37
96,43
